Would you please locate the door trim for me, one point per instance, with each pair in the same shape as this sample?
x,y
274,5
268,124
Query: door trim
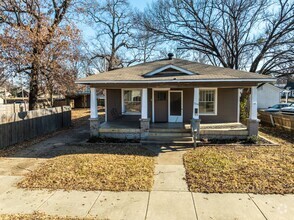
x,y
168,102
182,106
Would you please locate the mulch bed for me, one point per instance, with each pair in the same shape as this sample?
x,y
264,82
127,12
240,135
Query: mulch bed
x,y
240,169
249,141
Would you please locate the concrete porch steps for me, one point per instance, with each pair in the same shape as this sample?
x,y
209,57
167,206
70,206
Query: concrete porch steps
x,y
168,136
170,130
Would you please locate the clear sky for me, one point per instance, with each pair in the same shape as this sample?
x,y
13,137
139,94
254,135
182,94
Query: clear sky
x,y
140,4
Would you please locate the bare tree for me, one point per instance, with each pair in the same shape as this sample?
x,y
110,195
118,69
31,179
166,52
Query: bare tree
x,y
28,31
112,21
250,34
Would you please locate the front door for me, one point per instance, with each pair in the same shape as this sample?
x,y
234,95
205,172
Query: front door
x,y
160,106
176,106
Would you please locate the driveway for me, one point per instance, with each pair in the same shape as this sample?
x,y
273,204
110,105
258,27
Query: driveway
x,y
28,159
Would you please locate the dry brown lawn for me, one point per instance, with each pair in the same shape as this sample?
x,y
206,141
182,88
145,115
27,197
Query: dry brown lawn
x,y
37,216
123,169
251,169
80,116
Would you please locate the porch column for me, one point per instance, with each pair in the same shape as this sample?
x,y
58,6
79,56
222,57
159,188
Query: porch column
x,y
253,122
144,104
196,104
195,121
144,121
94,120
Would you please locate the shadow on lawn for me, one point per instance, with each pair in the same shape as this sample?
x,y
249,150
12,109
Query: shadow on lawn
x,y
283,134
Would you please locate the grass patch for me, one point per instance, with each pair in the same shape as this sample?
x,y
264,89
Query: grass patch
x,y
37,216
281,136
111,168
228,169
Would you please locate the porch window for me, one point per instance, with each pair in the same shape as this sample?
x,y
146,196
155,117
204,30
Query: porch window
x,y
132,101
207,101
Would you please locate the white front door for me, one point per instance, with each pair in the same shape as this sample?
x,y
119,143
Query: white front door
x,y
175,106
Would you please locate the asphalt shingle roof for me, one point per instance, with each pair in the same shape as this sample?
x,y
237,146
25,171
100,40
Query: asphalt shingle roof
x,y
201,72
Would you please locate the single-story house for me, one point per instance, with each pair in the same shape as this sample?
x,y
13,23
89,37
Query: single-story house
x,y
268,95
290,87
151,98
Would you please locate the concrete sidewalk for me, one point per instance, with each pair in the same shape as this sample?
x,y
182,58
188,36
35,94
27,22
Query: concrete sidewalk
x,y
143,205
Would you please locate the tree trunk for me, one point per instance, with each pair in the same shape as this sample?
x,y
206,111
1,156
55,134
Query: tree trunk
x,y
34,88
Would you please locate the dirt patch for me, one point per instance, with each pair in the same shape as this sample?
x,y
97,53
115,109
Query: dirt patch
x,y
228,169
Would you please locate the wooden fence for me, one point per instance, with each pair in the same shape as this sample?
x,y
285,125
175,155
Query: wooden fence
x,y
278,120
23,126
8,109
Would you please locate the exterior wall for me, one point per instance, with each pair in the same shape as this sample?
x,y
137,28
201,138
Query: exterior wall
x,y
268,95
114,105
227,107
188,104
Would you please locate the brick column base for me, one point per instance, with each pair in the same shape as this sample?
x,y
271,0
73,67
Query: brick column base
x,y
195,123
144,127
252,127
94,127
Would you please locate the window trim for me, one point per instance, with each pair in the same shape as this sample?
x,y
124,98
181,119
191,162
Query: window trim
x,y
123,112
215,101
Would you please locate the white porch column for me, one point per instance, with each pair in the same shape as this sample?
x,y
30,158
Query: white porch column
x,y
94,120
287,96
94,113
196,104
195,121
253,122
144,121
144,104
253,103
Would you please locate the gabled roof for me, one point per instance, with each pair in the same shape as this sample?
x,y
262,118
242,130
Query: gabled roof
x,y
168,69
188,71
269,85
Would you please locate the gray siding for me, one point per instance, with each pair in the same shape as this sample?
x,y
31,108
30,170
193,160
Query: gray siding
x,y
227,110
227,107
114,107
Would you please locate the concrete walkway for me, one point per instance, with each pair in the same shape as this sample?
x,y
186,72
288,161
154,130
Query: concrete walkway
x,y
143,205
169,199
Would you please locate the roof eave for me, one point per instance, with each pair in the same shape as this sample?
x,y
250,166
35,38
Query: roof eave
x,y
172,81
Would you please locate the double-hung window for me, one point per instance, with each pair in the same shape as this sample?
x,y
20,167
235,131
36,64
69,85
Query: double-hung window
x,y
208,101
131,99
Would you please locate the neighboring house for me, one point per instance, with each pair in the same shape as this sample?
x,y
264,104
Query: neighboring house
x,y
171,93
81,99
290,87
268,95
1,101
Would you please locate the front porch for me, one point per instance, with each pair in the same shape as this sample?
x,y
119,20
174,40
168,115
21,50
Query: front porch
x,y
132,130
174,114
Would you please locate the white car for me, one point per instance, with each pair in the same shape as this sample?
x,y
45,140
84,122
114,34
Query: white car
x,y
288,110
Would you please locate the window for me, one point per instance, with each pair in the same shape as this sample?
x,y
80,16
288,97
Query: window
x,y
132,101
207,102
